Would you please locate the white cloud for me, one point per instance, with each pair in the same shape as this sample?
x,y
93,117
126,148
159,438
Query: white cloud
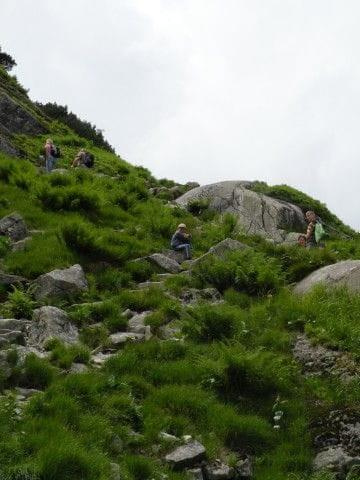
x,y
206,89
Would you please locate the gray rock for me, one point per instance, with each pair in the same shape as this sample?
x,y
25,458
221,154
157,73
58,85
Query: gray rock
x,y
167,437
219,250
128,313
220,471
51,322
164,263
14,336
195,474
178,257
13,227
149,284
194,295
79,368
120,338
170,331
191,185
291,238
20,245
186,455
137,323
114,472
257,213
13,324
244,469
14,118
346,273
61,283
7,279
100,358
333,459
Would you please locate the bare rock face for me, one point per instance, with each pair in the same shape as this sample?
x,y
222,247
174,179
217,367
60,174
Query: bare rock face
x,y
346,273
7,279
16,119
13,227
257,213
186,455
61,283
51,322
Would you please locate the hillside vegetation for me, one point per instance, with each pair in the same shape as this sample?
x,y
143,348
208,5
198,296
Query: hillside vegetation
x,y
226,375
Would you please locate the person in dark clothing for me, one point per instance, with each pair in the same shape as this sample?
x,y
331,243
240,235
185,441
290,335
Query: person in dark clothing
x,y
315,231
181,240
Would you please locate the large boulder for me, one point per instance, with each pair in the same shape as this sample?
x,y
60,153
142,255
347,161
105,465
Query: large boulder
x,y
257,213
346,273
51,322
61,283
13,227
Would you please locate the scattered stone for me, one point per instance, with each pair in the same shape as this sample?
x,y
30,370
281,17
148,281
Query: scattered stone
x,y
13,324
170,331
20,245
137,323
149,284
79,368
128,313
346,273
7,279
194,295
115,471
100,358
61,283
164,262
187,455
148,333
219,471
13,227
195,474
244,469
26,392
120,338
167,437
51,322
333,459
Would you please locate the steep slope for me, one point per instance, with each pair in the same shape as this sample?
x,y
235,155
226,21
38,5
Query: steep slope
x,y
118,363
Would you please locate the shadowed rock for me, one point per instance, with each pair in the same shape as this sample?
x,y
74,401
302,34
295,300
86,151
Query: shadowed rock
x,y
51,322
186,455
13,227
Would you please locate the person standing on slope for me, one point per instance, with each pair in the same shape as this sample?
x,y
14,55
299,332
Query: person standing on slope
x,y
181,241
49,149
315,231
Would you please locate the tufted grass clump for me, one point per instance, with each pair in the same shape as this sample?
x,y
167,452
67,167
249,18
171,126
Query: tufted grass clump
x,y
19,304
246,270
207,323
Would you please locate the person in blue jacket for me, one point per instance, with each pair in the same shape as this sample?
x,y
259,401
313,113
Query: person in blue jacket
x,y
181,240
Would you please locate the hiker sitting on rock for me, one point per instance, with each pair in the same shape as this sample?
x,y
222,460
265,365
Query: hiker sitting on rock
x,y
79,160
181,241
315,231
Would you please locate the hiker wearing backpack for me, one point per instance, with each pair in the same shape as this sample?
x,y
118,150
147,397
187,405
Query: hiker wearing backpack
x,y
49,151
181,241
315,231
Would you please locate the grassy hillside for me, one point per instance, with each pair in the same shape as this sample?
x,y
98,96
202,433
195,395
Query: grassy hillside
x,y
221,382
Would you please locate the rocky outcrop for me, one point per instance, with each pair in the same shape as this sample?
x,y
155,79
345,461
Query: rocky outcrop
x,y
61,283
51,322
13,227
257,213
346,273
164,263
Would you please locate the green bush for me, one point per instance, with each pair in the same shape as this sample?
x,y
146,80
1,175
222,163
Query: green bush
x,y
246,270
19,304
69,199
211,322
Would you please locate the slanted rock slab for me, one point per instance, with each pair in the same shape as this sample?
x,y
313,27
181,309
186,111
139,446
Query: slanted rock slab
x,y
333,459
220,250
61,283
137,323
187,455
219,471
120,338
13,227
51,322
164,262
346,273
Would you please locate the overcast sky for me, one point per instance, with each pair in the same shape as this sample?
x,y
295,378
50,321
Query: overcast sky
x,y
206,90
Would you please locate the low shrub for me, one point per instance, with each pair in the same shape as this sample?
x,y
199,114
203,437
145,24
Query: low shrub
x,y
36,373
19,304
70,199
245,270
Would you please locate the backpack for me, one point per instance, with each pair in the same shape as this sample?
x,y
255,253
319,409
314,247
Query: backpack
x,y
55,152
319,232
89,160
